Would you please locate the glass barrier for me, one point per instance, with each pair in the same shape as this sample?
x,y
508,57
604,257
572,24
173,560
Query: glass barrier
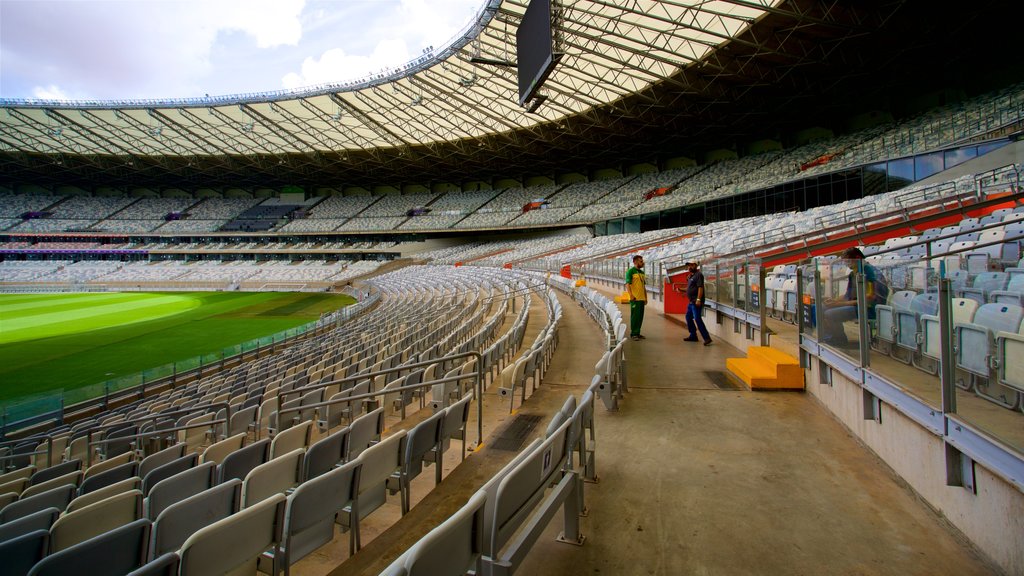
x,y
187,365
124,382
904,300
32,406
153,374
76,395
211,359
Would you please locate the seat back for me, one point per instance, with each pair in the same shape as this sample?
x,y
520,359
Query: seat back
x,y
454,547
181,519
38,488
294,438
58,498
111,476
112,553
241,461
62,469
178,487
24,551
217,451
423,438
310,512
167,470
157,459
377,464
41,520
272,477
325,454
363,431
109,464
233,544
133,483
95,519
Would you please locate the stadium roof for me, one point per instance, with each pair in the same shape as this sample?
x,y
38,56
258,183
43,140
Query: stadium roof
x,y
640,79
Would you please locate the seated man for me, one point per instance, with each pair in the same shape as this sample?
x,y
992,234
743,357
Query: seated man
x,y
838,311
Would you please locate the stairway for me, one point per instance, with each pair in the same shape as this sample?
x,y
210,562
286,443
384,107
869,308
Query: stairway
x,y
766,368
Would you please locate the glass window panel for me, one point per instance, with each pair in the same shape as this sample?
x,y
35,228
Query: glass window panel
x,y
927,164
901,173
959,156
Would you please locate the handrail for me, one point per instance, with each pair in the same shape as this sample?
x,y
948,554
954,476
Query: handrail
x,y
478,391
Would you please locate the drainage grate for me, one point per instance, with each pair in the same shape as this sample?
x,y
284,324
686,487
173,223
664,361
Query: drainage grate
x,y
721,380
514,436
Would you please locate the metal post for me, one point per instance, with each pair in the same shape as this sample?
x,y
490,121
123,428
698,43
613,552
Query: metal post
x,y
946,372
762,308
862,315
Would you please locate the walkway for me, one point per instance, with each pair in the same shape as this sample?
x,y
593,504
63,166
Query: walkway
x,y
698,476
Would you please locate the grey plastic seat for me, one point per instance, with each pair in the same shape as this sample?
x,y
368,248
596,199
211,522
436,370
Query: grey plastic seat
x,y
133,483
325,454
95,519
74,478
23,552
423,439
272,477
217,451
179,487
41,520
232,545
178,521
240,462
292,439
157,459
377,464
58,498
55,471
310,514
112,553
167,470
111,476
452,549
364,431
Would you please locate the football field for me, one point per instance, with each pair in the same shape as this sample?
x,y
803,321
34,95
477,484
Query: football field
x,y
66,341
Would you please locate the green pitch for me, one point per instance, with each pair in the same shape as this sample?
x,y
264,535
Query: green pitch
x,y
67,341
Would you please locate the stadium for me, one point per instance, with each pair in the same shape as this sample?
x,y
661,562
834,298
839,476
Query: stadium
x,y
383,326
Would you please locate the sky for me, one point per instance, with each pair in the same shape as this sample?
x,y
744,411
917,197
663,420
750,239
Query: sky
x,y
153,49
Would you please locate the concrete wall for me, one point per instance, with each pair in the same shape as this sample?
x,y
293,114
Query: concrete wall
x,y
992,519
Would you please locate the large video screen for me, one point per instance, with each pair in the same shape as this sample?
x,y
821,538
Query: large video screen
x,y
534,56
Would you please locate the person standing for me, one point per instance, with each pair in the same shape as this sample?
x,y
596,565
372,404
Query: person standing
x,y
636,285
695,295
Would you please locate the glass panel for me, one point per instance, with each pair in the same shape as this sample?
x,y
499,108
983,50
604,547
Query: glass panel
x,y
31,406
927,164
631,224
906,340
76,395
901,173
838,326
989,355
124,382
187,365
959,156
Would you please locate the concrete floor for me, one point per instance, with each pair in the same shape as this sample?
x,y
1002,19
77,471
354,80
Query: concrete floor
x,y
696,478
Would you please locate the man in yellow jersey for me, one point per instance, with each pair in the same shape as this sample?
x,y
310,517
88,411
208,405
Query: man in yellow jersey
x,y
636,285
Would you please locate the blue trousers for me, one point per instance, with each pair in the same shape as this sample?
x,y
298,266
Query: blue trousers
x,y
695,322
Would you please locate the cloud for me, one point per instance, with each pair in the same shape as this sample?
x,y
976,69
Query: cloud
x,y
399,32
49,93
337,66
120,49
126,49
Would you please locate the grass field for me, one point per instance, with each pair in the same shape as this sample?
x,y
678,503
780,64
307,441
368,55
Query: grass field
x,y
66,341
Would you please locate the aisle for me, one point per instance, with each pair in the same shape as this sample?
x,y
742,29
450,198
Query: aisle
x,y
697,478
